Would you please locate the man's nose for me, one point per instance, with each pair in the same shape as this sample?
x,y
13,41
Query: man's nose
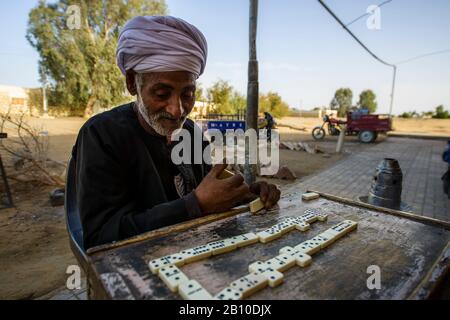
x,y
175,107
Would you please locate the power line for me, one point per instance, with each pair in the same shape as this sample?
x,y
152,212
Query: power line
x,y
423,56
367,49
366,14
353,36
394,67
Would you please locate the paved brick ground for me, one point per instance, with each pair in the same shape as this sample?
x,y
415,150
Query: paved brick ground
x,y
422,167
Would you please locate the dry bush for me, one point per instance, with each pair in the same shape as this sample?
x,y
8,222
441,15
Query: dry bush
x,y
29,151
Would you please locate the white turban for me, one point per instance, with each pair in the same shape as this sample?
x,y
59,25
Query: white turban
x,y
161,44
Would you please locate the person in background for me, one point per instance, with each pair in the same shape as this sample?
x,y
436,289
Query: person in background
x,y
270,124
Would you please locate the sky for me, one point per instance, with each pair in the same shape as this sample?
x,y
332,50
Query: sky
x,y
303,53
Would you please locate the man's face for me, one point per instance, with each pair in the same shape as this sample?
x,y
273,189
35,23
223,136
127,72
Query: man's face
x,y
167,98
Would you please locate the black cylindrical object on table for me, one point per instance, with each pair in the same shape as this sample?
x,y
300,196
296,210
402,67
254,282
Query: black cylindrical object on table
x,y
386,188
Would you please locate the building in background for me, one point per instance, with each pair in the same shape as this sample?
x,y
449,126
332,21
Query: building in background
x,y
14,99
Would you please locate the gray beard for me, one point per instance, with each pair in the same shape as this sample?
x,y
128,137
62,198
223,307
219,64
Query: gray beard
x,y
153,119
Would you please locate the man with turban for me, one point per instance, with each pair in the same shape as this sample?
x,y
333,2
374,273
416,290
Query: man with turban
x,y
126,181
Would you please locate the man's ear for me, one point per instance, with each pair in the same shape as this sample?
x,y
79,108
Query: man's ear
x,y
131,82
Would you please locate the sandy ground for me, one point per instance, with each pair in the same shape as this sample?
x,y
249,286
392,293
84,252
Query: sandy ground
x,y
34,247
437,127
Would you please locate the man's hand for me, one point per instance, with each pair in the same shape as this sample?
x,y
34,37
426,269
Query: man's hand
x,y
268,193
219,195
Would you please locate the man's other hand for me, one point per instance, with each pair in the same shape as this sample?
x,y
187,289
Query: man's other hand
x,y
268,193
219,195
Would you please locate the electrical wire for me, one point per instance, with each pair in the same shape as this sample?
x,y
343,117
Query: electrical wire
x,y
366,14
423,56
353,36
394,66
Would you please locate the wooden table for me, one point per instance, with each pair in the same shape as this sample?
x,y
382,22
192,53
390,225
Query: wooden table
x,y
412,252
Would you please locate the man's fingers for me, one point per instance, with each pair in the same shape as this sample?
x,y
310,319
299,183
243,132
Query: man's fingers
x,y
263,191
274,193
242,191
218,169
268,193
236,180
273,197
255,188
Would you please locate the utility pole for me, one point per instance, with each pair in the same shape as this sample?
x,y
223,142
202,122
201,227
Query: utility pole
x,y
394,77
44,101
43,80
252,91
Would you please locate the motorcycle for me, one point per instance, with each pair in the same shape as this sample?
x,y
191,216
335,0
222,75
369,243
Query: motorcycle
x,y
333,127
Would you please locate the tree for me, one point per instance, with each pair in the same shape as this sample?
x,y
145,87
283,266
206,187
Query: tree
x,y
408,115
238,102
199,93
405,115
224,99
367,101
342,101
441,113
35,98
79,60
427,114
274,104
334,105
219,97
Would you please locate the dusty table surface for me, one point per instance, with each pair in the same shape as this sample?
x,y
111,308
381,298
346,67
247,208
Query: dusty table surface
x,y
405,250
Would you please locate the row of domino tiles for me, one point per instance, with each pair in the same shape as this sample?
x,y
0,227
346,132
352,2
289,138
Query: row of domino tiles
x,y
222,246
167,267
262,274
269,273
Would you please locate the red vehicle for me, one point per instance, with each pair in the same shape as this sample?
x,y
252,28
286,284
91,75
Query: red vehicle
x,y
365,126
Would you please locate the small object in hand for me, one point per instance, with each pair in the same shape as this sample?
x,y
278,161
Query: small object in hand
x,y
226,174
256,205
310,196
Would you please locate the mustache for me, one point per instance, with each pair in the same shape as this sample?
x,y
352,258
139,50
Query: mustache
x,y
166,115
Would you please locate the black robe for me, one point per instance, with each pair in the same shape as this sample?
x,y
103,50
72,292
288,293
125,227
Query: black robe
x,y
125,178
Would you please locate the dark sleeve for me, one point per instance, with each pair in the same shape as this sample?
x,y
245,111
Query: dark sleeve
x,y
105,201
